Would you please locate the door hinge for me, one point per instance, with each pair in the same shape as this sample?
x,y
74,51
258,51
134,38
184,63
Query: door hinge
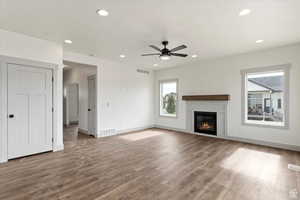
x,y
52,140
52,79
52,109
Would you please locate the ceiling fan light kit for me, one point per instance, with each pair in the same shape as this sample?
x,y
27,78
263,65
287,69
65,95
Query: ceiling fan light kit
x,y
165,53
165,57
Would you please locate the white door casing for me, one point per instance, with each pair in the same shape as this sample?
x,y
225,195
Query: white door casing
x,y
92,105
29,110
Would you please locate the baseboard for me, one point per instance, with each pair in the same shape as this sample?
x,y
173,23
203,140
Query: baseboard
x,y
134,129
264,143
124,131
184,131
237,139
3,161
57,148
74,122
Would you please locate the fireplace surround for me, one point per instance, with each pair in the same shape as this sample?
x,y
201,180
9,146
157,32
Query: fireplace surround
x,y
220,108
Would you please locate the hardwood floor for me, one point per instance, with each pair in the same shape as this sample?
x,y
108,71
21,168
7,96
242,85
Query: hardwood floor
x,y
153,164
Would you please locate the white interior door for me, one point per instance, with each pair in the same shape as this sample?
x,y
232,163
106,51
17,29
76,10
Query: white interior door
x,y
92,105
73,102
29,110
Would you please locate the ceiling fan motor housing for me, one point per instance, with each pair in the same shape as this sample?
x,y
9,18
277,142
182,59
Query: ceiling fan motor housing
x,y
165,51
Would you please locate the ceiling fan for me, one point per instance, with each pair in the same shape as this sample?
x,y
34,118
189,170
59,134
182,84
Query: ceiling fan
x,y
165,53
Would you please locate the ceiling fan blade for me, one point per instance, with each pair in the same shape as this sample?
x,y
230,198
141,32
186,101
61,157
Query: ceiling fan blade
x,y
151,54
178,48
178,54
155,47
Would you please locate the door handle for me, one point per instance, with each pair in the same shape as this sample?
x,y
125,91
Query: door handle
x,y
89,109
11,116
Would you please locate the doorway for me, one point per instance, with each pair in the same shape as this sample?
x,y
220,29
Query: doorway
x,y
80,93
72,104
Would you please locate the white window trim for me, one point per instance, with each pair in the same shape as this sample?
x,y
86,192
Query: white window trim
x,y
159,97
286,69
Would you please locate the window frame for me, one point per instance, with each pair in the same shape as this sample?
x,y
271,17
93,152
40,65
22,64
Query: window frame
x,y
160,94
284,68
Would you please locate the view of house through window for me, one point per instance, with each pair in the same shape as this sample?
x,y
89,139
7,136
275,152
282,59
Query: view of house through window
x,y
168,98
265,95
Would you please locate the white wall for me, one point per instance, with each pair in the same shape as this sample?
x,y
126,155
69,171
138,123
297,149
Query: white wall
x,y
79,74
22,46
126,98
222,76
29,48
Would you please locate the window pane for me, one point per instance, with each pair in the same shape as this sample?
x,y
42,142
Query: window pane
x,y
168,98
265,92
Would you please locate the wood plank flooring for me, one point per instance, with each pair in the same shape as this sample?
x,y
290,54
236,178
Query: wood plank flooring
x,y
153,164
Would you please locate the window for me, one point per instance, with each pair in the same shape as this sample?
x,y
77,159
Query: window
x,y
168,98
265,96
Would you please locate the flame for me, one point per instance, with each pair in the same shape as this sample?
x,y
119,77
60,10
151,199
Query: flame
x,y
205,125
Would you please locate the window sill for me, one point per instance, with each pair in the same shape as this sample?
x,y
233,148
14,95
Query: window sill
x,y
277,125
168,116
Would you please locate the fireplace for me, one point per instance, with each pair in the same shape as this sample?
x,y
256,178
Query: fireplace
x,y
205,122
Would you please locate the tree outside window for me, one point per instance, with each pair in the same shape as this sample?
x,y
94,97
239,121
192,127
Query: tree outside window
x,y
168,98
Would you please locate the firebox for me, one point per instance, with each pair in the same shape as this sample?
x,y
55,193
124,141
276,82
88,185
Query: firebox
x,y
205,122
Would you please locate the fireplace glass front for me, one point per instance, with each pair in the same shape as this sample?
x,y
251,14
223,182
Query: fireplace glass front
x,y
205,122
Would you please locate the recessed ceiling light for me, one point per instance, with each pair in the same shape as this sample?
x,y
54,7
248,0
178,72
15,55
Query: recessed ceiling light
x,y
155,65
245,12
68,41
259,41
122,56
102,12
194,56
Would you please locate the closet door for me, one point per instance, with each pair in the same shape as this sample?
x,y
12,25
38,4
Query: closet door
x,y
29,110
